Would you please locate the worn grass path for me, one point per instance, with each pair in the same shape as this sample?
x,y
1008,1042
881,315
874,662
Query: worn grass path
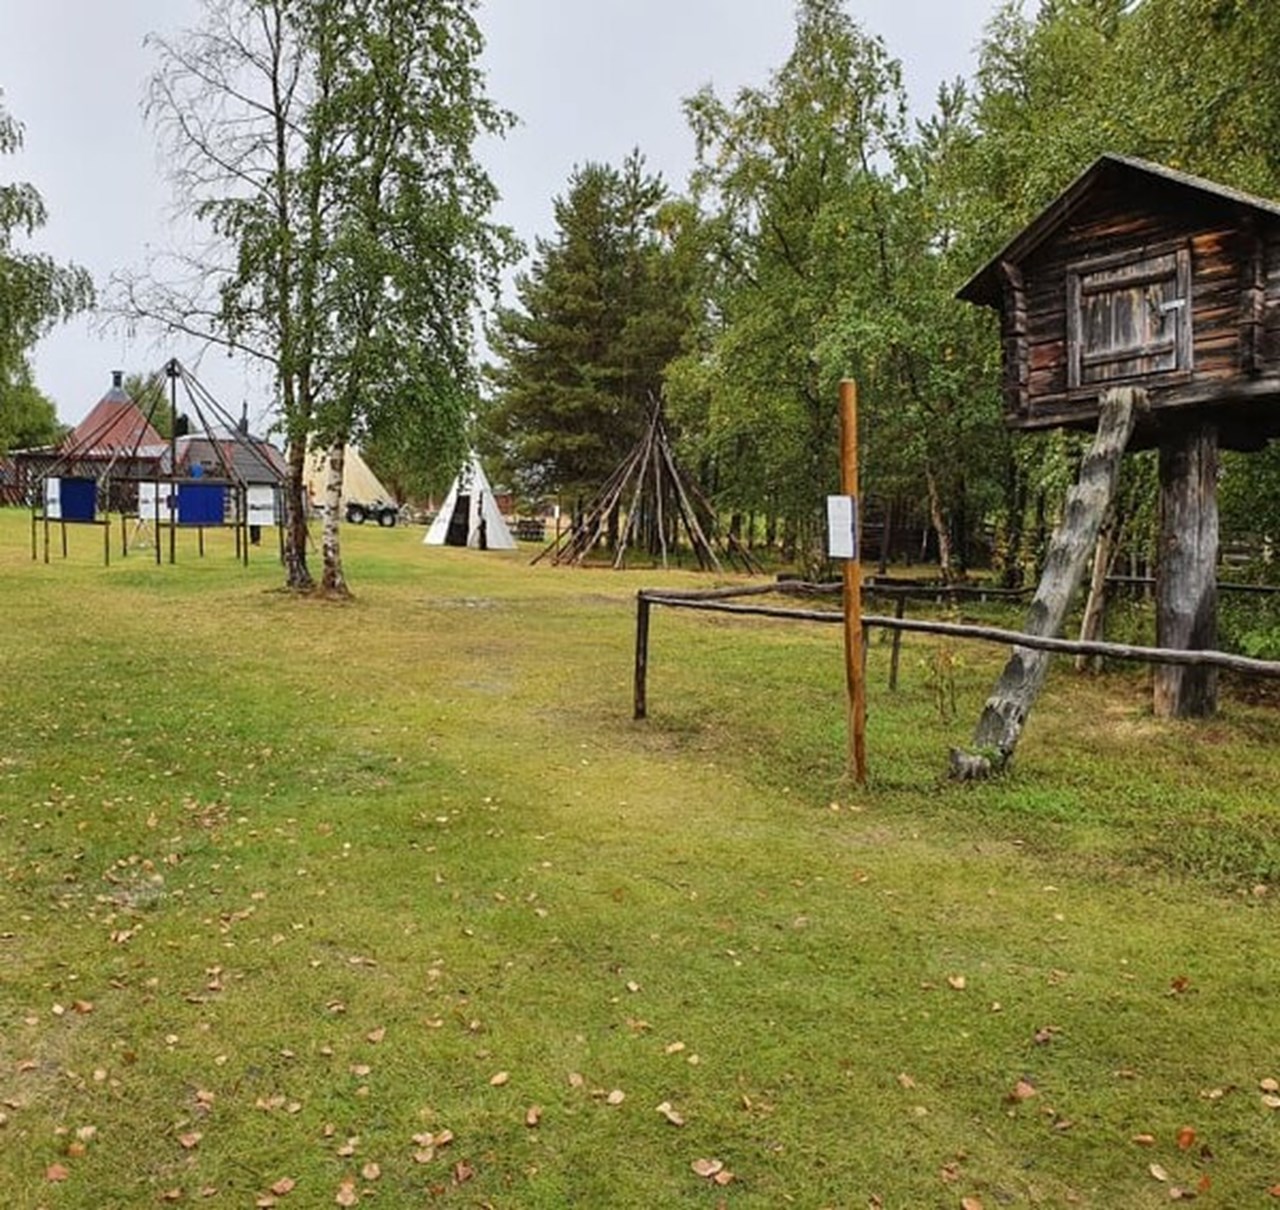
x,y
393,904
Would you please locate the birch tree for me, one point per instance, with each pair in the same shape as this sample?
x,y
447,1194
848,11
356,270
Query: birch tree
x,y
326,148
35,293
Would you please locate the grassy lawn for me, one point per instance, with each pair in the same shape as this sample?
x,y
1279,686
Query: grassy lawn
x,y
393,904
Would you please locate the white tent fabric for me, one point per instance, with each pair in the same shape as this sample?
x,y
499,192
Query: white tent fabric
x,y
469,515
359,483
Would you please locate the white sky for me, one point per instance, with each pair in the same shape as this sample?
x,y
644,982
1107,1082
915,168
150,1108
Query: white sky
x,y
589,79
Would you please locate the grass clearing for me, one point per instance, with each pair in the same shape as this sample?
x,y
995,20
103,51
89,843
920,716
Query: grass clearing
x,y
287,887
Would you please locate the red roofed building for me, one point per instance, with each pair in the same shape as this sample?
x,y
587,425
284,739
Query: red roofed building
x,y
115,429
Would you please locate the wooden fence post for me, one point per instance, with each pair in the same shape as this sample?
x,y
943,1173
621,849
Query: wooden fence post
x,y
642,656
854,643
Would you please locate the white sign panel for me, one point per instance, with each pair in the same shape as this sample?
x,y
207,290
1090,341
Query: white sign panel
x,y
152,496
842,527
53,499
262,504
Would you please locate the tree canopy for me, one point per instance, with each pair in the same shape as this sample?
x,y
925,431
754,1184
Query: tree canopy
x,y
35,294
600,314
328,146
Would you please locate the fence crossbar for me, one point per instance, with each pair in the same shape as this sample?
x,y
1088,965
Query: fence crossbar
x,y
714,601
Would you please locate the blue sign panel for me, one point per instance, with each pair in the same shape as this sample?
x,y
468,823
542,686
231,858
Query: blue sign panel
x,y
79,498
202,503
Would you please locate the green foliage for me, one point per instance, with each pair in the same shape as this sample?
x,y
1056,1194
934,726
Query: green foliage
x,y
27,418
602,310
797,224
36,292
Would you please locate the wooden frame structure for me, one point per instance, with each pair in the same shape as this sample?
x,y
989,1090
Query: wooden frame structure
x,y
1139,276
648,501
214,477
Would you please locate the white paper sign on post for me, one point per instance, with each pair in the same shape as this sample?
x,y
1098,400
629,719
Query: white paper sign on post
x,y
261,501
842,527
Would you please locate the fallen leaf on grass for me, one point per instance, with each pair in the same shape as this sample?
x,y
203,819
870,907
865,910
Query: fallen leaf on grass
x,y
707,1168
190,1139
376,1035
906,1081
970,1203
1269,1085
499,1079
533,1115
616,1097
172,1195
1186,1138
56,1173
347,1195
462,1172
1144,1140
670,1114
371,1171
1158,1172
957,982
1023,1090
286,1184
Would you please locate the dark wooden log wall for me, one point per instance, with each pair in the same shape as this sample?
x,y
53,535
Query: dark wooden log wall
x,y
1235,294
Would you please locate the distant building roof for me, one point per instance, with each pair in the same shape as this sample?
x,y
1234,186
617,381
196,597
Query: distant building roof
x,y
114,427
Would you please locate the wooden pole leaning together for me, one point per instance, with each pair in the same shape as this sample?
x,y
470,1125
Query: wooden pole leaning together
x,y
853,637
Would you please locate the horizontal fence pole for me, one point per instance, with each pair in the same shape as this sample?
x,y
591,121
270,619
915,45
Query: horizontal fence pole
x,y
992,634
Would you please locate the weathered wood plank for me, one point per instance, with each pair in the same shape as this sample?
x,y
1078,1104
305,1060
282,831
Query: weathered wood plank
x,y
1253,301
1005,713
1186,570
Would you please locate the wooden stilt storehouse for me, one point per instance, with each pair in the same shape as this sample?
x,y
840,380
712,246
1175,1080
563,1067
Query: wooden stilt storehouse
x,y
1142,277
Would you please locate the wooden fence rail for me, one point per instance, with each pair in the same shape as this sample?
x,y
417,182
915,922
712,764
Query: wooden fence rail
x,y
715,601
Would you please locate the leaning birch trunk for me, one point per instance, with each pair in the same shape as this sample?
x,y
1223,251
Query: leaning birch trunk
x,y
333,583
1007,708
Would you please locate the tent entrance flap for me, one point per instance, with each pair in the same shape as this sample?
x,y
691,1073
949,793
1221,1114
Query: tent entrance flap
x,y
460,522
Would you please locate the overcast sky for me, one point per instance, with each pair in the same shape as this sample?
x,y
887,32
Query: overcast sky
x,y
589,80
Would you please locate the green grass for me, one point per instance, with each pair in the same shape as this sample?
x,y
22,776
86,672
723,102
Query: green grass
x,y
285,874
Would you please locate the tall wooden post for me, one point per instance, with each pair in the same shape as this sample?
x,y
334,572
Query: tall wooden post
x,y
1186,572
854,654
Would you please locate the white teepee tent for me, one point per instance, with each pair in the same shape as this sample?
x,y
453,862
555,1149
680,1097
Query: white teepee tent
x,y
469,515
358,481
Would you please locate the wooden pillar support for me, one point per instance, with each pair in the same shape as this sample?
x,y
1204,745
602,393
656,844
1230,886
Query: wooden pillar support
x,y
1005,713
641,682
1186,572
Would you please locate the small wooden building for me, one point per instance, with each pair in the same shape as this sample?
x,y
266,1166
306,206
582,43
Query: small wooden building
x,y
1140,276
1144,276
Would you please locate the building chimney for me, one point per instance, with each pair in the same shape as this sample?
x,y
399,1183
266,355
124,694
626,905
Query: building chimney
x,y
117,378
